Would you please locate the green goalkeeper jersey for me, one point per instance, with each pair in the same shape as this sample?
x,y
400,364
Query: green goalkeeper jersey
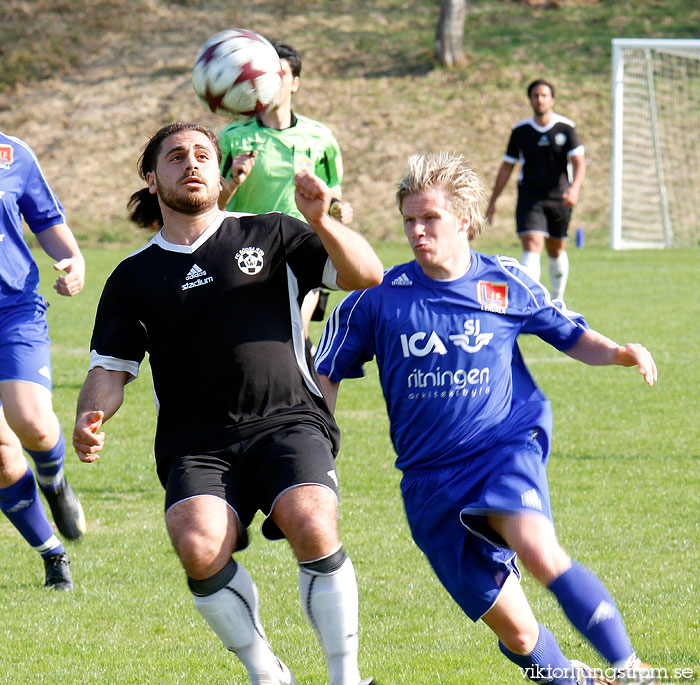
x,y
306,144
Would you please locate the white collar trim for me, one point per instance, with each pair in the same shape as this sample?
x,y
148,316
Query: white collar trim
x,y
189,249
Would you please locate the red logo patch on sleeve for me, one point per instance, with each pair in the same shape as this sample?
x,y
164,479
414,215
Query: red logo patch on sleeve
x,y
6,155
493,297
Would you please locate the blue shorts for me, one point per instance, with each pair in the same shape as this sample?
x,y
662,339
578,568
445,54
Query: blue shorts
x,y
25,348
447,509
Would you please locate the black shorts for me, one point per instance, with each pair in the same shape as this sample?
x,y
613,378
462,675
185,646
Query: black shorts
x,y
251,474
542,216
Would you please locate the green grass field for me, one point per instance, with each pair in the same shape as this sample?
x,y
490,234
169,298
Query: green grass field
x,y
624,476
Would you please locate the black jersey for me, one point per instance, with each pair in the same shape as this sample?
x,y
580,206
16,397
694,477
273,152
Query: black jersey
x,y
544,153
220,321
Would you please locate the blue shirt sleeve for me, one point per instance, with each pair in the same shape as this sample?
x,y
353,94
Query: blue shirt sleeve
x,y
39,205
348,339
552,321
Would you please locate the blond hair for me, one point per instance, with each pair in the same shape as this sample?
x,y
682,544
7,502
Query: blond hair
x,y
462,188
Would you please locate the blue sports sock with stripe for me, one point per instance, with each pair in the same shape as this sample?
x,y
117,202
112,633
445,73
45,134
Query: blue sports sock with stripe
x,y
589,606
545,663
49,465
22,505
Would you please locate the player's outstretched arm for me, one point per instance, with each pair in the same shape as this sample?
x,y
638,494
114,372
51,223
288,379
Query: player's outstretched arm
x,y
60,244
595,349
100,397
356,262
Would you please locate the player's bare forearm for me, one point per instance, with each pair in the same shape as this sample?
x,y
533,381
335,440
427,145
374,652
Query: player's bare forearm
x,y
579,164
571,194
60,244
595,349
502,177
330,391
100,397
357,264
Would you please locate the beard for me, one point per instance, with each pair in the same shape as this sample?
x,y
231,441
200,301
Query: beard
x,y
186,202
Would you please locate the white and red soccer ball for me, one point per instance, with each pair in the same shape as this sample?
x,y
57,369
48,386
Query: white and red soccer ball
x,y
237,73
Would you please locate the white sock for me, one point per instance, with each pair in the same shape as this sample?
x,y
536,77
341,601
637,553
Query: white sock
x,y
558,275
232,613
330,603
531,262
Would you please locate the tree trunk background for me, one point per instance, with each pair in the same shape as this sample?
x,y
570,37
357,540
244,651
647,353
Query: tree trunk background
x,y
448,51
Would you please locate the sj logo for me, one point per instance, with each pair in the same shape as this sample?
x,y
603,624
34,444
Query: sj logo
x,y
6,154
472,340
493,297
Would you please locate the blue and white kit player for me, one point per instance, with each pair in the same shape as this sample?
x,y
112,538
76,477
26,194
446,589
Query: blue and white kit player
x,y
470,427
27,418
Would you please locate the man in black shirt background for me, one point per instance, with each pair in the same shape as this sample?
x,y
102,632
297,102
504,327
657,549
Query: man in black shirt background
x,y
553,167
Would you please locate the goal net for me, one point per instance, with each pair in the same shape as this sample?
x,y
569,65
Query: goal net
x,y
655,193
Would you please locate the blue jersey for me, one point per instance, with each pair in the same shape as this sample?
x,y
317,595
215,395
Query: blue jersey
x,y
24,192
453,378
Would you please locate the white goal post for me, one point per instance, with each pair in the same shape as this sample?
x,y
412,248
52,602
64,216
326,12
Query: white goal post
x,y
655,166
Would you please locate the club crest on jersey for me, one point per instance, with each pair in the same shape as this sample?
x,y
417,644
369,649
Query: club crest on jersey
x,y
250,260
6,155
493,297
560,138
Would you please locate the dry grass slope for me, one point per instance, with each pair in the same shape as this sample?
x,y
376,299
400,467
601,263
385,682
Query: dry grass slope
x,y
90,80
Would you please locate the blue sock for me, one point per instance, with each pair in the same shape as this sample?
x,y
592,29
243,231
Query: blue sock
x,y
49,465
589,606
22,505
545,663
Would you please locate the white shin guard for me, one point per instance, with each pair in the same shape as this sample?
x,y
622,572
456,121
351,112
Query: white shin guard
x,y
232,613
330,604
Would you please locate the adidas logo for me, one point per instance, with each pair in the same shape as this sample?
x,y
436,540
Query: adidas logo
x,y
603,612
195,272
531,499
543,141
402,281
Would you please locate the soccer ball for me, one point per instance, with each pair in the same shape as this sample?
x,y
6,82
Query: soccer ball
x,y
237,73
